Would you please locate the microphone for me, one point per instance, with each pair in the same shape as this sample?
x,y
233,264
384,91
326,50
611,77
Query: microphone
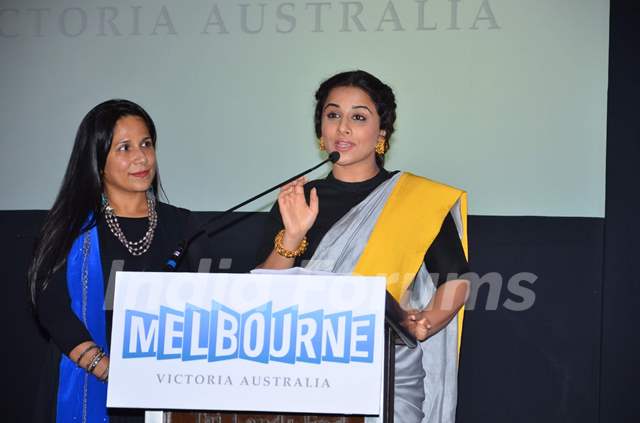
x,y
174,260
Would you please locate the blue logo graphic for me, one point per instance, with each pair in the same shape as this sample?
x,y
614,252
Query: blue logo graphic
x,y
260,335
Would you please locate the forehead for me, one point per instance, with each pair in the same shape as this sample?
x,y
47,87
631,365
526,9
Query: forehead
x,y
128,124
348,97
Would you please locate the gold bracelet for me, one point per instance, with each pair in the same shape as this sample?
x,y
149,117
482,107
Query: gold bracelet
x,y
277,243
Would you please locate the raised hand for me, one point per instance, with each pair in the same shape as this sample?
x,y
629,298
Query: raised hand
x,y
298,216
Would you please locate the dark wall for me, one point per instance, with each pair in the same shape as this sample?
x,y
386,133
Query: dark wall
x,y
22,350
539,364
620,370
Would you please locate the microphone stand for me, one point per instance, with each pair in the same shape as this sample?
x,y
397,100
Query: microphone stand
x,y
174,260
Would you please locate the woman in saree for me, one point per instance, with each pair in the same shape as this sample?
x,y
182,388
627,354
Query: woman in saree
x,y
365,220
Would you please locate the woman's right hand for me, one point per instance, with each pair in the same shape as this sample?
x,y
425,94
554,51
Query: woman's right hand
x,y
84,354
297,216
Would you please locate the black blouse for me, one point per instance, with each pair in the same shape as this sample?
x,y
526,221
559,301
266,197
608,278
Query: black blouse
x,y
444,259
54,304
67,331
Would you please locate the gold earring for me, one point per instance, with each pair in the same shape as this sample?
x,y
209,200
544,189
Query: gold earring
x,y
381,148
321,144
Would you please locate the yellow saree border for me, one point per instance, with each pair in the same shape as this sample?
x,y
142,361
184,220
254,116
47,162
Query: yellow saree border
x,y
408,224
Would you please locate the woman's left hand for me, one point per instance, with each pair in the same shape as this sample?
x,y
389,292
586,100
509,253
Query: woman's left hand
x,y
418,324
444,305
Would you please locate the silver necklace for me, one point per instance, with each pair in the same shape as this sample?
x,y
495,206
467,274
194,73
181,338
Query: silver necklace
x,y
141,246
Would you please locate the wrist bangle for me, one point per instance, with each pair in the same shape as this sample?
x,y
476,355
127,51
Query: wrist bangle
x,y
277,243
94,362
83,353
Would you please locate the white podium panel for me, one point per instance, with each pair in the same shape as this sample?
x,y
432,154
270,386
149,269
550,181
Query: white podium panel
x,y
260,342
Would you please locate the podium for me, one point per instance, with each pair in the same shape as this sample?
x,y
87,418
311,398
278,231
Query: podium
x,y
278,348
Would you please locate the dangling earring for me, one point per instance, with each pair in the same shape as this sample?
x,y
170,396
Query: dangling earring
x,y
321,144
104,201
106,207
381,147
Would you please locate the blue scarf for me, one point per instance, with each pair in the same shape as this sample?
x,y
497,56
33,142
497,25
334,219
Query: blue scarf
x,y
81,396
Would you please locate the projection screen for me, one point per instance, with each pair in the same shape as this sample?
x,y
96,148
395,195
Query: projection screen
x,y
503,98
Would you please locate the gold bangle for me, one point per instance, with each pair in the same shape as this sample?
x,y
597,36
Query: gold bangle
x,y
277,243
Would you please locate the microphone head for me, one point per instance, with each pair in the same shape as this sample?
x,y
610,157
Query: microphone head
x,y
334,156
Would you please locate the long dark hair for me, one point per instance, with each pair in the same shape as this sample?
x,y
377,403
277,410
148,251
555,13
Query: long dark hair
x,y
80,194
379,92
